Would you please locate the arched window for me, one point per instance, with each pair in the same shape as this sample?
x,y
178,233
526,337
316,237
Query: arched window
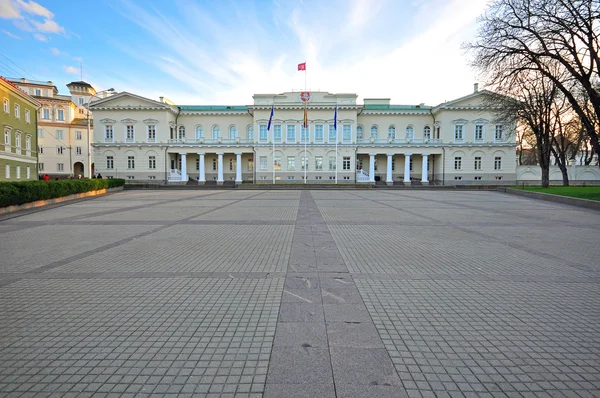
x,y
392,132
250,133
410,133
373,131
359,132
232,133
216,132
181,132
427,132
199,132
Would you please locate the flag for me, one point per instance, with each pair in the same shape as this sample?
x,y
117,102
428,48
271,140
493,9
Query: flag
x,y
271,117
302,66
305,117
335,118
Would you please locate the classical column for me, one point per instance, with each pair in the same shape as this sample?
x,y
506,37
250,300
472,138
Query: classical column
x,y
201,172
183,166
238,167
372,167
407,167
424,171
220,168
389,180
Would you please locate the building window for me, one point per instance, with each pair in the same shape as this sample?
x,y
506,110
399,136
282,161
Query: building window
x,y
6,107
197,163
347,133
129,133
458,178
374,132
499,133
7,171
277,163
80,101
18,171
291,178
262,163
216,132
319,163
38,92
318,133
41,166
346,163
392,132
410,164
291,163
40,132
27,116
59,134
277,133
477,163
231,164
304,163
477,178
232,133
332,134
427,132
291,133
497,163
181,131
60,167
108,133
78,135
375,164
17,112
214,164
60,115
479,132
410,133
46,113
110,163
250,131
458,163
199,132
151,133
18,142
59,150
359,132
28,145
40,149
332,164
263,132
78,150
304,134
28,172
131,162
498,178
250,164
152,162
7,140
458,132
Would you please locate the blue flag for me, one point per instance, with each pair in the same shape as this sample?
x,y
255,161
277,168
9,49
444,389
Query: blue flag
x,y
335,118
271,117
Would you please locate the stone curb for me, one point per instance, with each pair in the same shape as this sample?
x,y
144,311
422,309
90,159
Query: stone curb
x,y
589,204
41,203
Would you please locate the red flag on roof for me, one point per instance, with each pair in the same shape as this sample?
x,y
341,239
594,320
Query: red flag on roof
x,y
302,66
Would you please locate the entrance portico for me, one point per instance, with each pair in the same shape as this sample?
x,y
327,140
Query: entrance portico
x,y
217,167
390,167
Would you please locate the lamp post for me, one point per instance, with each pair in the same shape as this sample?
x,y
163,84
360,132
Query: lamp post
x,y
89,148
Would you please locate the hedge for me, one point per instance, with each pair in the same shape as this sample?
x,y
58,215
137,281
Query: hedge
x,y
17,193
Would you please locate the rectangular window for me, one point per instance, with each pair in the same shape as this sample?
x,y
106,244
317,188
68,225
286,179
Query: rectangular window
x,y
151,133
410,164
17,112
131,162
60,167
291,133
319,163
18,171
78,135
27,116
499,133
152,162
38,92
497,163
78,150
458,163
346,163
304,134
332,164
7,141
232,164
28,173
59,150
291,177
59,134
319,133
6,107
40,132
46,113
40,149
251,164
18,142
477,178
458,177
80,101
347,133
479,132
41,166
332,137
498,178
129,133
277,163
262,163
28,145
250,133
7,171
304,163
477,163
60,115
458,132
110,162
277,133
262,132
291,160
108,133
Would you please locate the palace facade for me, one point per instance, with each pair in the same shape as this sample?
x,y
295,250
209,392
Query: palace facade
x,y
457,142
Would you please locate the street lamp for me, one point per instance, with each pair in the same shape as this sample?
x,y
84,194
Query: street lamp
x,y
89,152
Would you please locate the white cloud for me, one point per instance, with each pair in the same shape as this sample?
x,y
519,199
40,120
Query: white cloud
x,y
9,34
56,51
71,69
9,10
24,14
31,7
48,26
41,37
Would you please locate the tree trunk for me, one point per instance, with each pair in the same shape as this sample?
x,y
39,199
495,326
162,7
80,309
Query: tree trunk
x,y
545,176
565,175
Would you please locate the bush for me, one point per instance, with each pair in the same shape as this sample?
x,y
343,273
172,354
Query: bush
x,y
17,193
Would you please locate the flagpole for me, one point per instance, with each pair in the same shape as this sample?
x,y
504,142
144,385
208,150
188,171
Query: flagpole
x,y
336,144
306,127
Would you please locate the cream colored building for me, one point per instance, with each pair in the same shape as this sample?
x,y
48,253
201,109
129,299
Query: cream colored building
x,y
64,146
457,142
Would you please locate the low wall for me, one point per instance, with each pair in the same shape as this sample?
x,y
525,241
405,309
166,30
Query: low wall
x,y
589,204
577,174
40,203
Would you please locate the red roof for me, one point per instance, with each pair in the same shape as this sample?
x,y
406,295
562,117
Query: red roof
x,y
23,92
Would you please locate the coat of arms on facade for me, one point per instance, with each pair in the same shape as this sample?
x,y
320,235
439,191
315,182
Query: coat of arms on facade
x,y
305,96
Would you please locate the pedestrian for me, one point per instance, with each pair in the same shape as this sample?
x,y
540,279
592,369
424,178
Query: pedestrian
x,y
46,177
99,176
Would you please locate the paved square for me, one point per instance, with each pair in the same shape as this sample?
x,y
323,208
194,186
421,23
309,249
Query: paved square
x,y
251,293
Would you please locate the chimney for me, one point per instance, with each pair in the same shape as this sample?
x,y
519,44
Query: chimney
x,y
162,99
475,87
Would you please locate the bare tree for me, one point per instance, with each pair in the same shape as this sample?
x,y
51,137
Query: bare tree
x,y
546,36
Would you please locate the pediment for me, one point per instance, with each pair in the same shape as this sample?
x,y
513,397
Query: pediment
x,y
128,100
107,121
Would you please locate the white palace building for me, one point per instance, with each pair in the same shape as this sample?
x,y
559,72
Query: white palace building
x,y
457,142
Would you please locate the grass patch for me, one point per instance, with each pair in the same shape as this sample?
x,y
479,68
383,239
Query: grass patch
x,y
591,193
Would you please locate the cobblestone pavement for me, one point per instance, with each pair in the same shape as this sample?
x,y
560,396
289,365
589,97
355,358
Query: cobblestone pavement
x,y
234,293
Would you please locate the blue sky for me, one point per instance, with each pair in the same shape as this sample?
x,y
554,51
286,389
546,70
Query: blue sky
x,y
223,52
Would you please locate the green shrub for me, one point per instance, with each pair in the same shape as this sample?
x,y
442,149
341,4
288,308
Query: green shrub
x,y
17,193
